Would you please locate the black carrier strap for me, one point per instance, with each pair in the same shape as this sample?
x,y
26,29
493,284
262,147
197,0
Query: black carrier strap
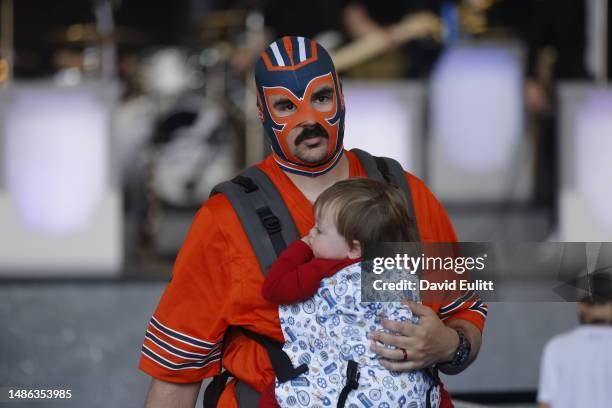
x,y
281,363
389,170
246,396
215,388
254,197
369,164
352,382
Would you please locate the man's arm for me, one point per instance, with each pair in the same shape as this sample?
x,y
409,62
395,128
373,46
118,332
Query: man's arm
x,y
183,339
164,394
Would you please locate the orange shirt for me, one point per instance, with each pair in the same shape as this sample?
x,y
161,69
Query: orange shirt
x,y
217,283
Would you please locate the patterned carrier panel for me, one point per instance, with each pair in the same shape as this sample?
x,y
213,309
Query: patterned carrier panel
x,y
328,330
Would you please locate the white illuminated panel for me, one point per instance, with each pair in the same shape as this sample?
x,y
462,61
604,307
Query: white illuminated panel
x,y
56,158
476,107
477,124
59,212
593,144
586,169
385,119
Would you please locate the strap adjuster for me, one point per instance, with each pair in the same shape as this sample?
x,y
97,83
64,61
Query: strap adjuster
x,y
246,183
270,221
352,375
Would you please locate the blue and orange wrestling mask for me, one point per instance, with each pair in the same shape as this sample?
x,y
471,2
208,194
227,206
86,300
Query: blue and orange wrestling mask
x,y
295,69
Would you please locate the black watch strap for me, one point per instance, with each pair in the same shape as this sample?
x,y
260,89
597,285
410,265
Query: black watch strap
x,y
462,353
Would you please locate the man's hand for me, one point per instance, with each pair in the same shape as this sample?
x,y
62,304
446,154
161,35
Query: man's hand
x,y
426,343
165,394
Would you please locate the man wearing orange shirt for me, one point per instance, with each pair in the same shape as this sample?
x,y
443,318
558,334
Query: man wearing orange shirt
x,y
217,278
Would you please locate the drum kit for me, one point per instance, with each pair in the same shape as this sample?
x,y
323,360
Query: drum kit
x,y
179,129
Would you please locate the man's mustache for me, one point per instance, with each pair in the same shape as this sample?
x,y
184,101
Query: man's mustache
x,y
310,132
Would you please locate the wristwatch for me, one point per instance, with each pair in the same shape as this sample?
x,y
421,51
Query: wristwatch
x,y
462,354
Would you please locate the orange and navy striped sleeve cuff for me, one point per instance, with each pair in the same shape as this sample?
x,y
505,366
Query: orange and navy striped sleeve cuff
x,y
467,307
171,355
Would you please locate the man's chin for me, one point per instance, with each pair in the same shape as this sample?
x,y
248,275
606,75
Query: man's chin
x,y
314,155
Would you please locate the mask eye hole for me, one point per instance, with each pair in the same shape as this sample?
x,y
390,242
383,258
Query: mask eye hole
x,y
323,98
282,106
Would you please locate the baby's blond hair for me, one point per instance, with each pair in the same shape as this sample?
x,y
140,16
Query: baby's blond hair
x,y
366,210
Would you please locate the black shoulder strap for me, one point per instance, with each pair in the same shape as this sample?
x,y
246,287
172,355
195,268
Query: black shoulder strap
x,y
281,363
369,164
214,389
389,170
269,227
262,213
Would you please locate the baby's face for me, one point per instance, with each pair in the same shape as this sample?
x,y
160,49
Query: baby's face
x,y
325,240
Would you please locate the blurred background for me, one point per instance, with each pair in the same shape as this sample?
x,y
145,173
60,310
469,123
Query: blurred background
x,y
117,117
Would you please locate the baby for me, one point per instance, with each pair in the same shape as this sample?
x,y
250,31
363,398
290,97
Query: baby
x,y
317,283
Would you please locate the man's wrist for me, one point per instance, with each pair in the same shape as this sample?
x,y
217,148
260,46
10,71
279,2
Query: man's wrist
x,y
450,352
461,355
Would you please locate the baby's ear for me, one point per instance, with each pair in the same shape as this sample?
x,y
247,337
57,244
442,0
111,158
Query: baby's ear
x,y
355,251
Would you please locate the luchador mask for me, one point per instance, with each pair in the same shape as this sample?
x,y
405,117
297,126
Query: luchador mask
x,y
293,68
